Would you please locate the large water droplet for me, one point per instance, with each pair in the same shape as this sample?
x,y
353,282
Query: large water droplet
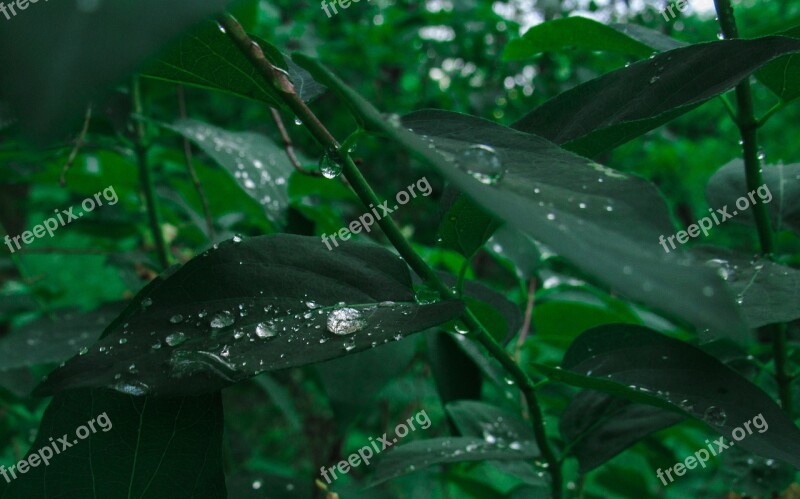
x,y
222,319
265,330
343,321
176,319
330,165
722,266
176,339
483,163
715,415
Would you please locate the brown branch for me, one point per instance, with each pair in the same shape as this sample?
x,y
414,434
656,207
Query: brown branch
x,y
526,324
78,144
187,153
287,144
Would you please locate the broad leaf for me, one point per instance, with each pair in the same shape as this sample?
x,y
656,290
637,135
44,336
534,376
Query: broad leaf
x,y
766,291
597,426
644,366
607,223
783,75
455,373
155,447
53,340
423,453
207,58
610,110
259,305
93,46
257,164
580,32
781,195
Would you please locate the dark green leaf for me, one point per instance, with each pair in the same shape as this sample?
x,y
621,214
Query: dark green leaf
x,y
352,382
263,304
605,222
580,32
457,376
257,164
155,448
91,49
423,453
56,339
466,227
619,106
781,195
783,75
766,291
597,426
644,366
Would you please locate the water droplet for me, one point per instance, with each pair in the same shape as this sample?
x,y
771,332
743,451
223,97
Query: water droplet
x,y
722,266
222,319
720,36
349,346
654,79
257,485
176,339
715,415
83,351
298,121
156,345
264,330
687,405
461,328
330,165
176,319
147,302
344,321
483,163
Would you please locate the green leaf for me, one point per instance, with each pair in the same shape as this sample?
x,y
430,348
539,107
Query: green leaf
x,y
352,382
597,426
781,195
766,291
156,447
54,339
420,454
455,373
95,49
560,322
583,33
516,247
607,223
466,227
783,75
259,166
608,111
644,366
262,304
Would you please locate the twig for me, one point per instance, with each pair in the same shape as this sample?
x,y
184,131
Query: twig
x,y
187,153
145,179
78,144
526,324
280,82
748,129
287,144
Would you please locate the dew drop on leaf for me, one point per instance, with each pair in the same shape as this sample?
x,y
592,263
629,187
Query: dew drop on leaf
x,y
344,321
483,163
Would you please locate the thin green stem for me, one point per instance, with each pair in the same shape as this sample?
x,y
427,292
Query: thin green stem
x,y
748,128
278,80
774,109
145,177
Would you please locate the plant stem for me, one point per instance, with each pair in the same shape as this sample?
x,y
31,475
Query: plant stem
x,y
187,154
748,129
145,178
367,196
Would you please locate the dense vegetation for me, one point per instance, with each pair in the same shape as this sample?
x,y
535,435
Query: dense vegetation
x,y
414,249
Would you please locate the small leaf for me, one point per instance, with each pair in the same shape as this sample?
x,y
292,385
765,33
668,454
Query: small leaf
x,y
257,164
644,366
466,227
597,426
781,194
263,304
766,291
